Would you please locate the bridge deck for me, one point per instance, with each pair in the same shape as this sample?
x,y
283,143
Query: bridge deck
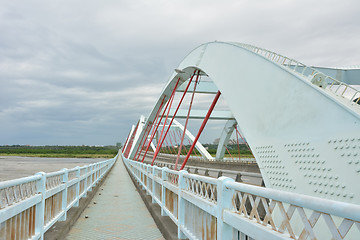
x,y
119,212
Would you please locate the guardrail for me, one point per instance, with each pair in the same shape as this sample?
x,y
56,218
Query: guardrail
x,y
210,208
200,158
212,172
308,72
29,206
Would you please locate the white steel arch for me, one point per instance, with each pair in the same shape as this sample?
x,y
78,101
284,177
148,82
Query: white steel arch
x,y
304,137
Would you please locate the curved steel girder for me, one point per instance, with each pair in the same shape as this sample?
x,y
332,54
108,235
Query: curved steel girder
x,y
198,145
296,130
138,134
292,126
224,138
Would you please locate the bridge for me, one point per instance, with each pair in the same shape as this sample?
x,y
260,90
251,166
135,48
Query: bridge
x,y
301,124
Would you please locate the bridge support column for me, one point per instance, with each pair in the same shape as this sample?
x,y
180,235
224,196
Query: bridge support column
x,y
224,138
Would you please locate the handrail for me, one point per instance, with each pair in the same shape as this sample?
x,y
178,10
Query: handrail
x,y
218,171
304,70
208,208
29,206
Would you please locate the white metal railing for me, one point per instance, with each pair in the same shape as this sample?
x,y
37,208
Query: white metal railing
x,y
208,208
339,88
29,206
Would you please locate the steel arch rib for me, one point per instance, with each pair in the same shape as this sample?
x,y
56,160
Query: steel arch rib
x,y
304,138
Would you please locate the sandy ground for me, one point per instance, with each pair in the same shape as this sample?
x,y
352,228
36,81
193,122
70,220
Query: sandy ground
x,y
12,167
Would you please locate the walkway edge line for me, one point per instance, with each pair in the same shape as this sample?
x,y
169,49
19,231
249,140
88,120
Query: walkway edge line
x,y
60,230
166,226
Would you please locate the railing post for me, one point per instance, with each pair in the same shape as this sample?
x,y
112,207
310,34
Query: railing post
x,y
147,179
224,201
65,181
90,177
181,205
85,181
153,184
77,186
163,189
40,207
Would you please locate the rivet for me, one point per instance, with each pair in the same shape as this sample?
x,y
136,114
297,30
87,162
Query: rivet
x,y
315,190
344,195
351,195
350,161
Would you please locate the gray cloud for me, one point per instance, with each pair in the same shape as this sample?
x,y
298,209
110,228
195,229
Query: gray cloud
x,y
80,72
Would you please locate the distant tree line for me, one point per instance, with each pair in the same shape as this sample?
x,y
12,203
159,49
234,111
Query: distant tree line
x,y
22,149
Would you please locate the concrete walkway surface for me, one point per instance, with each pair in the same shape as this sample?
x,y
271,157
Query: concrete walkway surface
x,y
116,212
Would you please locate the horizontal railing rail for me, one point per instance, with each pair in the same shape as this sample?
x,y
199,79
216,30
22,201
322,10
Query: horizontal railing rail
x,y
29,206
200,158
238,176
209,208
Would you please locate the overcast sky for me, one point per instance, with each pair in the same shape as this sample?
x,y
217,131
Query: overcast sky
x,y
82,72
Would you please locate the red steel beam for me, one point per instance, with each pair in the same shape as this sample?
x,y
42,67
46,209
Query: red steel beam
x,y
157,126
201,128
172,119
187,120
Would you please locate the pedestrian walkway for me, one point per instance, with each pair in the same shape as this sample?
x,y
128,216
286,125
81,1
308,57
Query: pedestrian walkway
x,y
116,212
